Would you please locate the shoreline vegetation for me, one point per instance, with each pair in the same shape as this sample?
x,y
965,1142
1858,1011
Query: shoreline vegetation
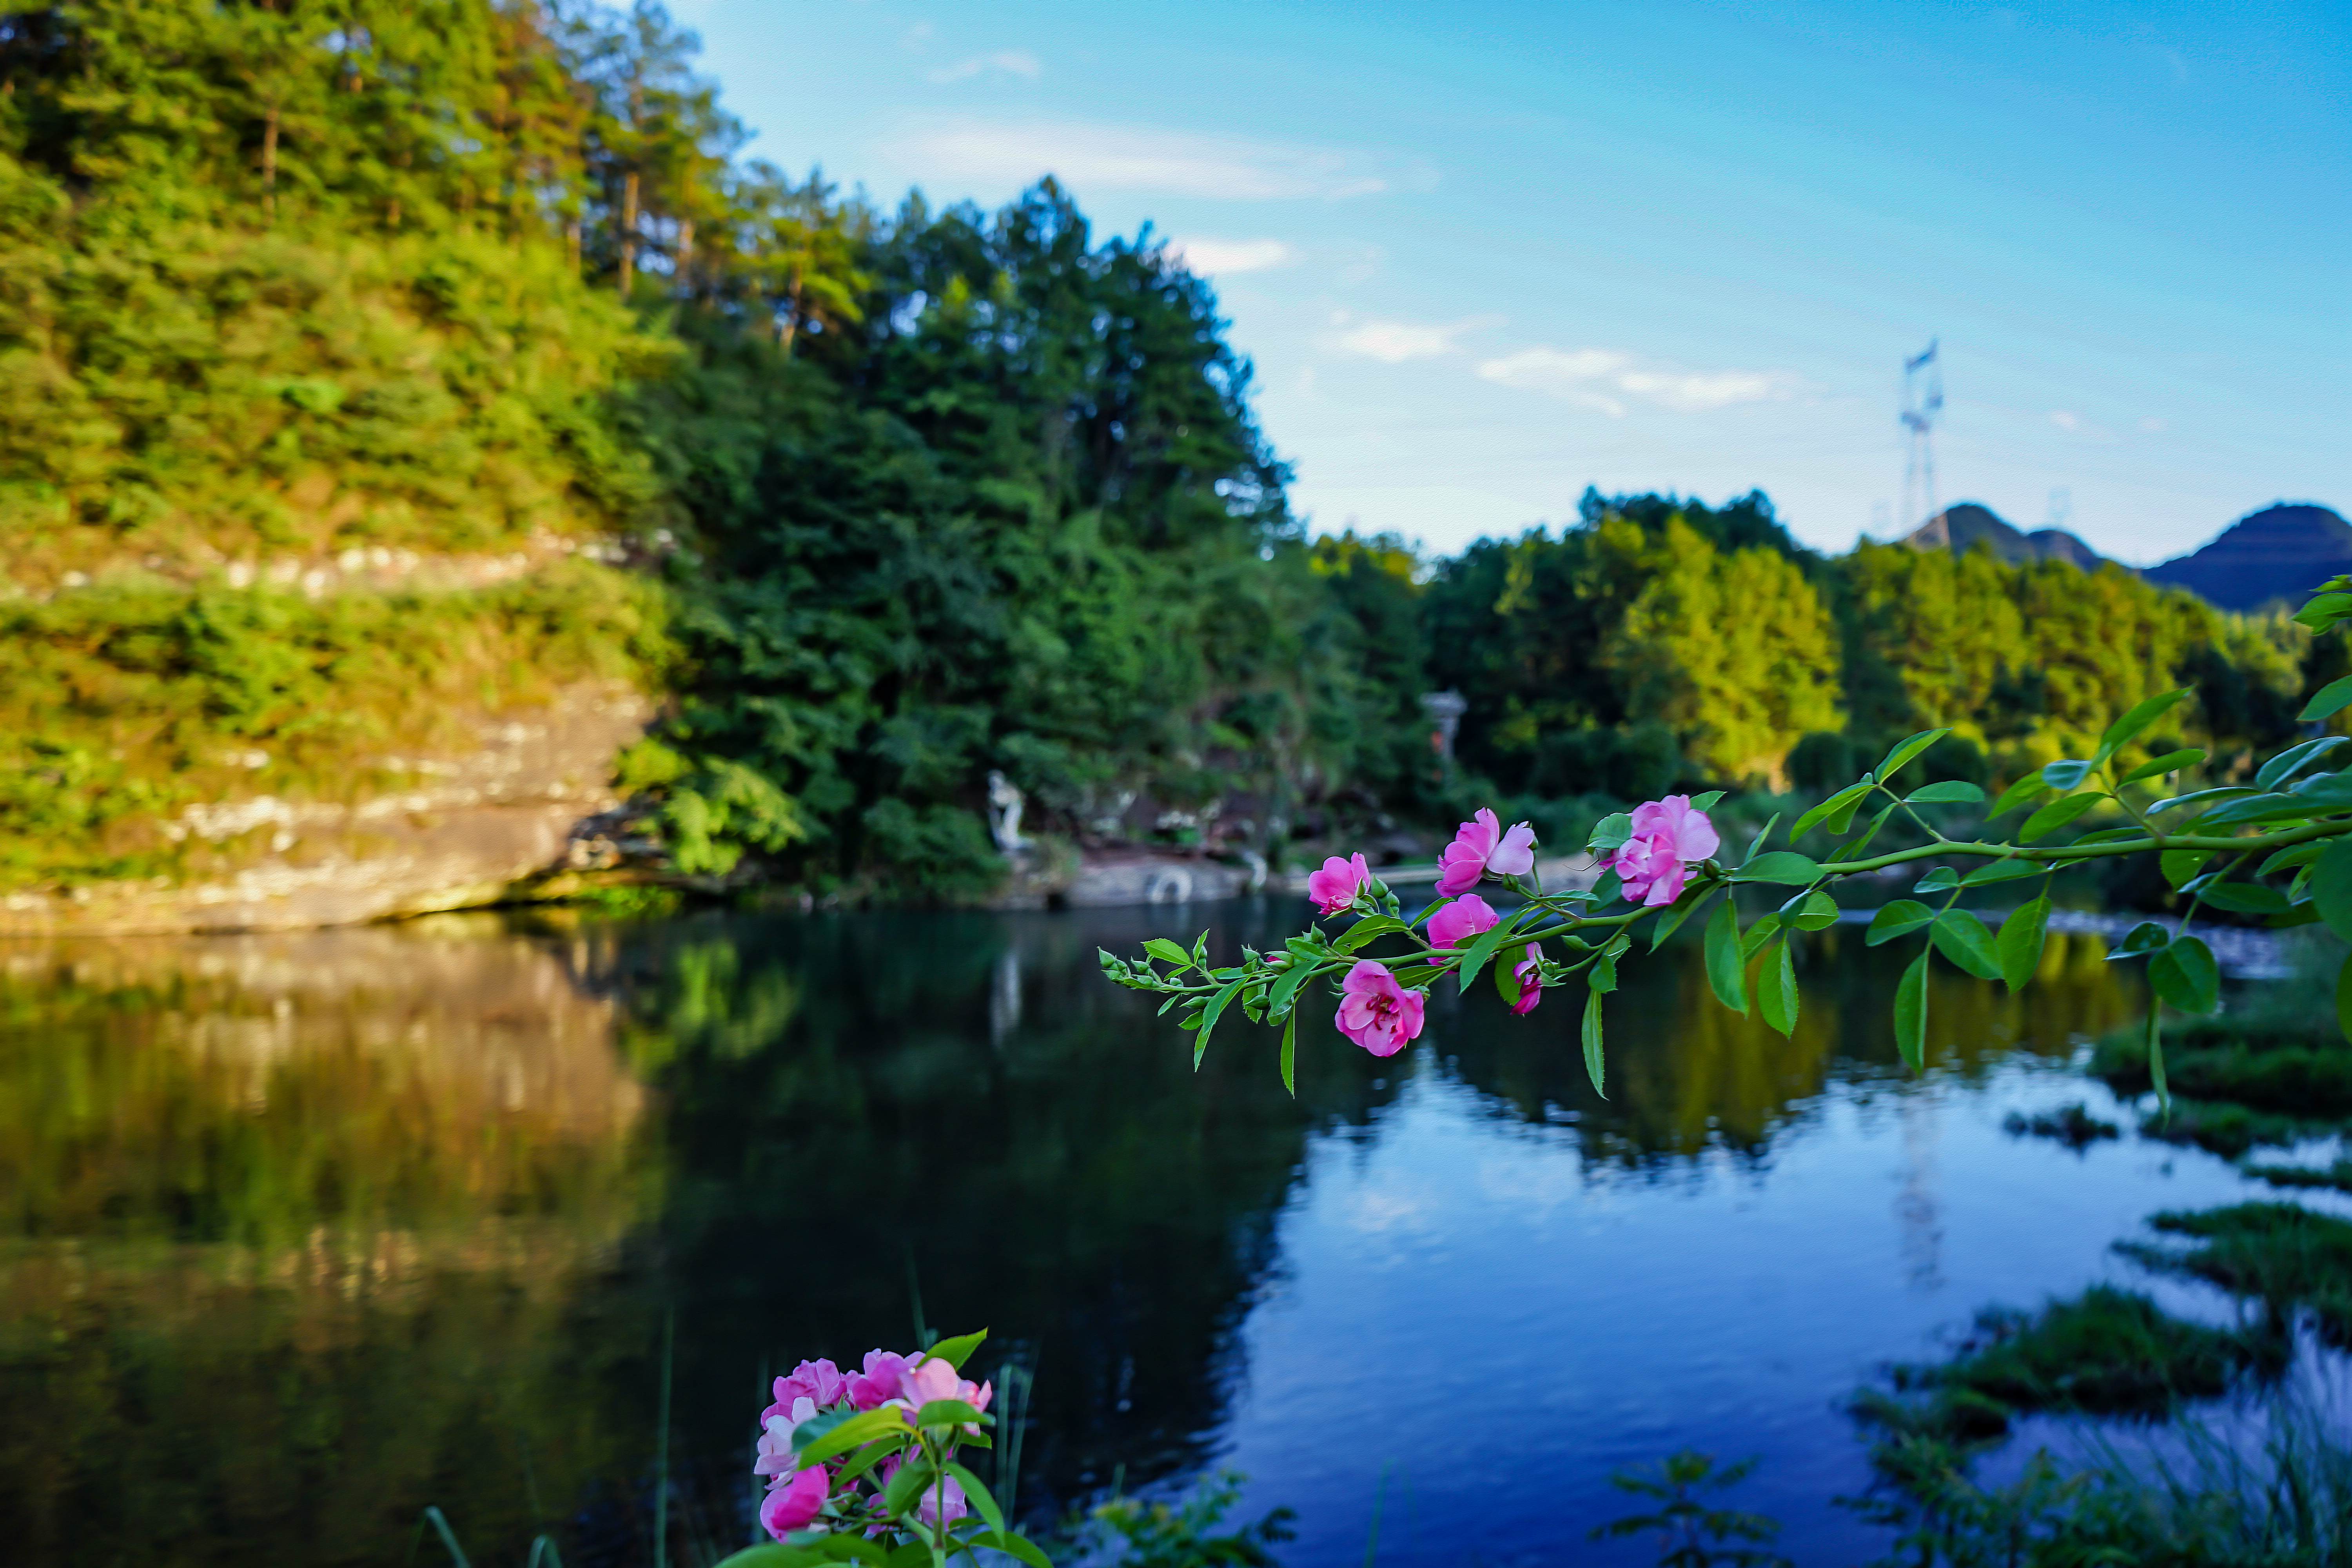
x,y
501,365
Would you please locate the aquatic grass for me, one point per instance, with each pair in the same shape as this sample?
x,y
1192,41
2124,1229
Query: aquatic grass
x,y
2232,1130
2287,1505
2108,1351
2073,1125
2279,1253
2338,1175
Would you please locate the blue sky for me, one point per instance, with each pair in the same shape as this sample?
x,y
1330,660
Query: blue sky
x,y
1485,255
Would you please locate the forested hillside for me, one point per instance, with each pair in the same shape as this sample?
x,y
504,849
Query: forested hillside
x,y
370,370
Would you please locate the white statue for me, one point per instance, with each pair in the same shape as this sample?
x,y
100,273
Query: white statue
x,y
1005,803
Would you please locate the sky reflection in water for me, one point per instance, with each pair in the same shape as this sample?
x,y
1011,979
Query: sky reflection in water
x,y
304,1233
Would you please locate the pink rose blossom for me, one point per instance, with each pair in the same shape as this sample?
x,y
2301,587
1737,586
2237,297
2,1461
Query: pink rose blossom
x,y
1455,923
1481,846
878,1384
818,1380
1667,836
1530,983
935,1379
775,1452
793,1504
1377,1013
941,1497
1335,887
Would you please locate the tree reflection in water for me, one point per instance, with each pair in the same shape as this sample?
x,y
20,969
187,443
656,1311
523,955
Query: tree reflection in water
x,y
304,1233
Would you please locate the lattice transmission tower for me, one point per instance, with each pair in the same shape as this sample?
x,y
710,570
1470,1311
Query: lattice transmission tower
x,y
1922,400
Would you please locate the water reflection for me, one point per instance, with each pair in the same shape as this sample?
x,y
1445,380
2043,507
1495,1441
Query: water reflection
x,y
298,1234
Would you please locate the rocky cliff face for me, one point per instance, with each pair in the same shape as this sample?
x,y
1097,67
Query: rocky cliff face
x,y
507,819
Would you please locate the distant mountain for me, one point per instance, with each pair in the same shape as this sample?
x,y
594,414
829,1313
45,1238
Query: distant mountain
x,y
2276,555
1960,529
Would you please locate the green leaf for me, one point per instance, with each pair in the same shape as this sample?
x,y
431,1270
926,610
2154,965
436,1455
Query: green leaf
x,y
1606,890
1370,929
956,1351
948,1413
1592,1041
978,1496
1488,941
2294,855
2330,699
1706,802
1783,866
2322,613
2179,865
2057,815
2251,808
771,1554
1725,962
2331,887
1762,931
857,1432
1282,995
2156,1054
1950,791
2066,774
2022,935
1602,975
1290,1054
2126,730
1610,833
1815,911
914,1479
2185,975
2146,937
1843,800
2007,870
1208,1017
1840,821
2030,787
1853,850
1019,1546
1939,880
1757,842
1900,917
2246,897
1902,752
1775,990
1666,924
1507,983
2294,759
2170,763
1911,1015
2202,798
1160,947
1962,938
2344,998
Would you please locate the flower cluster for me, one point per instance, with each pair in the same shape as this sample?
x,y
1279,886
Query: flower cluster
x,y
1383,1015
873,1449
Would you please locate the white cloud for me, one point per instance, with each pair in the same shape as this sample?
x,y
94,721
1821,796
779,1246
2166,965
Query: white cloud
x,y
1011,62
2065,420
1227,257
1593,378
1092,158
1394,343
1698,394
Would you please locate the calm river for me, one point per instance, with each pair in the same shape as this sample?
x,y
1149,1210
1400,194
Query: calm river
x,y
301,1234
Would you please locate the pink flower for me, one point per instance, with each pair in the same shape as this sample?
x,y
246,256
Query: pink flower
x,y
1377,1013
1530,983
935,1379
1481,846
1335,887
775,1452
791,1505
1667,836
878,1384
818,1380
941,1497
1455,923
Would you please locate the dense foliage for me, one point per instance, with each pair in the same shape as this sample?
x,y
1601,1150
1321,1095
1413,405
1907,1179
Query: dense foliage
x,y
387,304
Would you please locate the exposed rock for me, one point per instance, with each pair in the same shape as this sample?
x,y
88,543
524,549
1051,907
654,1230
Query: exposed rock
x,y
505,821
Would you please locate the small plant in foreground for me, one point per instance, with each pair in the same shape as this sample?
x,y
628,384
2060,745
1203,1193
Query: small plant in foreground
x,y
1128,1532
861,1467
1691,1534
